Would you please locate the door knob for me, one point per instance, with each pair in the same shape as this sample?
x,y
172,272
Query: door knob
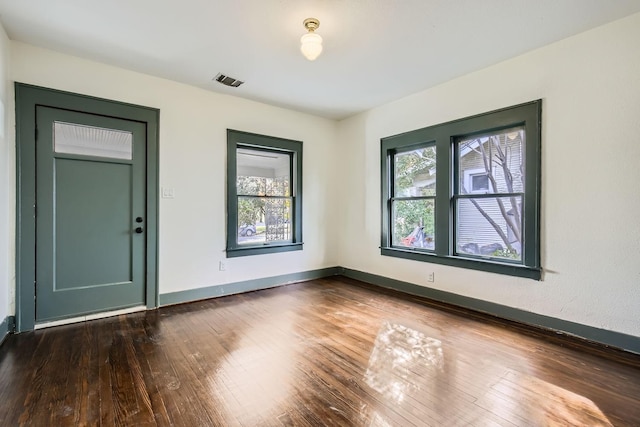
x,y
139,230
139,219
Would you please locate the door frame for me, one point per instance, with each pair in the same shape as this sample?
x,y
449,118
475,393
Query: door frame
x,y
27,97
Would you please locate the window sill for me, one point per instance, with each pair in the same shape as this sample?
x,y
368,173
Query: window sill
x,y
263,249
469,263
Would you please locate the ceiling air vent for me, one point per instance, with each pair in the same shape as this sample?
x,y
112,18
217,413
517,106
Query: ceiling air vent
x,y
227,81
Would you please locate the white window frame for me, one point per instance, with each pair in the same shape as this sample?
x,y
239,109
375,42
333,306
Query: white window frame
x,y
468,181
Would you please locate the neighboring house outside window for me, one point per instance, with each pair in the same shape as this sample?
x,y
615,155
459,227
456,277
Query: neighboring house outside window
x,y
484,211
476,180
490,226
264,194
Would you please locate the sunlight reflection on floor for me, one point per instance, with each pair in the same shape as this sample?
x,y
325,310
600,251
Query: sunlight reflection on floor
x,y
552,405
399,352
405,364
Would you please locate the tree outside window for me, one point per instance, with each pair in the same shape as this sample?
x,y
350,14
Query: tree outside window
x,y
489,220
414,197
466,193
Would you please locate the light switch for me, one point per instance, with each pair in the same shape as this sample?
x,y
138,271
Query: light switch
x,y
168,193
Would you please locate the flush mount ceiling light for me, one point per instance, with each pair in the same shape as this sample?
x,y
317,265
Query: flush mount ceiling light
x,y
311,43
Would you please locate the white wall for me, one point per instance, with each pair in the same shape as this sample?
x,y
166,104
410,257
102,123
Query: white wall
x,y
193,124
590,86
7,215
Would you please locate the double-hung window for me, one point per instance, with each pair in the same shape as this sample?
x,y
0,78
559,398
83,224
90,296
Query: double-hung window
x,y
264,194
466,193
413,199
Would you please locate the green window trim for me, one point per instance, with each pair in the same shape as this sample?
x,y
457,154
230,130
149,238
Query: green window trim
x,y
244,140
446,136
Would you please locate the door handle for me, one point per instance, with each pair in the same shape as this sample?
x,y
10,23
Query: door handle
x,y
139,219
139,230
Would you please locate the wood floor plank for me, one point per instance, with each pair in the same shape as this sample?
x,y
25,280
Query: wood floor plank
x,y
326,352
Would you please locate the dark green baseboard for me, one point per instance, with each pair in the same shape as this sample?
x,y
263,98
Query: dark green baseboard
x,y
618,340
6,327
245,286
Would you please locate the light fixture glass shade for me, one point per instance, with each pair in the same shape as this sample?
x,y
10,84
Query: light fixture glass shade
x,y
311,45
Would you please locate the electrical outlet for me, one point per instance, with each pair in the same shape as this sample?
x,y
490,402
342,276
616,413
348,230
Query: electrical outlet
x,y
223,266
431,277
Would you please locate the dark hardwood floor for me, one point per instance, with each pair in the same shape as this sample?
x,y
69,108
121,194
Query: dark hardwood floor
x,y
325,352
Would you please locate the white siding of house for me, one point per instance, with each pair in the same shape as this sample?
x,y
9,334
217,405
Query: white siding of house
x,y
472,226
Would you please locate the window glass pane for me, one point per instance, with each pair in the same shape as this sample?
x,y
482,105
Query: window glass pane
x,y
263,173
415,173
264,220
490,227
492,163
92,141
480,182
413,223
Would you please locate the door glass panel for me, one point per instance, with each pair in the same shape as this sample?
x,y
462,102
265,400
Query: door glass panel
x,y
92,141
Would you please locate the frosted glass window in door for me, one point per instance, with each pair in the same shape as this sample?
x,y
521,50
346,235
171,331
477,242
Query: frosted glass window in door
x,y
92,141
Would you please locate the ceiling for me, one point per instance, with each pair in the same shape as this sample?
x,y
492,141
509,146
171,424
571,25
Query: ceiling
x,y
375,51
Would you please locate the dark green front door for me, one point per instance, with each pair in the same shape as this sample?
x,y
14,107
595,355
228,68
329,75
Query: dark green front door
x,y
90,219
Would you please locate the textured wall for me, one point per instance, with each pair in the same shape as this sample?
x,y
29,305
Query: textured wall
x,y
590,86
193,124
